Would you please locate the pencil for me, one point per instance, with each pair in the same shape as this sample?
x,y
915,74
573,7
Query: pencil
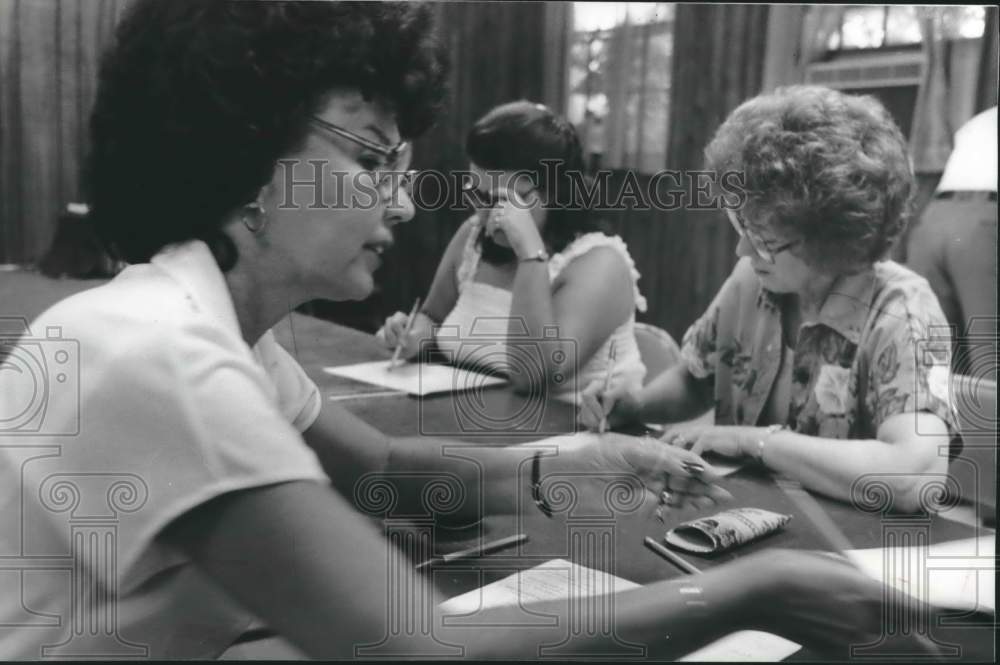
x,y
804,501
675,559
479,550
607,385
406,331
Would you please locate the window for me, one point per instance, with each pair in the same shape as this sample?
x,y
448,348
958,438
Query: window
x,y
879,26
619,78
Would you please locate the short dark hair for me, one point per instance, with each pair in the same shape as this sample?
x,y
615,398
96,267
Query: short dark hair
x,y
821,166
198,99
522,136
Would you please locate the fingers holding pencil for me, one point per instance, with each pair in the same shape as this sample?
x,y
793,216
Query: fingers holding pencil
x,y
402,333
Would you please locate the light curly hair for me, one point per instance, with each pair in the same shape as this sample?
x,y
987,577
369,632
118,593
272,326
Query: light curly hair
x,y
828,169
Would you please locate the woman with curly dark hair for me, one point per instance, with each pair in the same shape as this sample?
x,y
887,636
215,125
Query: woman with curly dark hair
x,y
531,261
824,361
190,454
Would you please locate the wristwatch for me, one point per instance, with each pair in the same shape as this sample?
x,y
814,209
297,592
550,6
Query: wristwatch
x,y
541,256
769,431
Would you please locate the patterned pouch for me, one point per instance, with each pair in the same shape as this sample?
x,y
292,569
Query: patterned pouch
x,y
726,530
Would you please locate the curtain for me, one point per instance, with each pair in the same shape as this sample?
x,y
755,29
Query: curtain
x,y
986,85
797,36
819,23
685,255
621,57
930,134
558,26
49,53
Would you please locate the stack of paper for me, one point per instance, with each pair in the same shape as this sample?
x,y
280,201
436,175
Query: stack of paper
x,y
559,579
416,378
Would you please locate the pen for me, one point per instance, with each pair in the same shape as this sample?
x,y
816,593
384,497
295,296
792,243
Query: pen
x,y
671,557
479,550
815,514
607,384
406,331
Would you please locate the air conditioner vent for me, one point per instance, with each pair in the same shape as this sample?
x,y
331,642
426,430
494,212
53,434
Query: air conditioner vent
x,y
872,70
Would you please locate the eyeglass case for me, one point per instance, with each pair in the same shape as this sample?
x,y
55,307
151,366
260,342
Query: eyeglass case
x,y
726,530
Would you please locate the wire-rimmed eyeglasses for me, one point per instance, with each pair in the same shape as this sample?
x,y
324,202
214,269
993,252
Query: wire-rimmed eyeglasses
x,y
388,173
757,244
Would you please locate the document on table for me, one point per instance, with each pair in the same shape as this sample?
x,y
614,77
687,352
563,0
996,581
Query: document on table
x,y
559,579
416,378
556,579
959,574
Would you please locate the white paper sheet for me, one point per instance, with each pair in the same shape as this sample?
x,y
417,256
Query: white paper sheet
x,y
553,580
745,646
416,378
560,579
959,574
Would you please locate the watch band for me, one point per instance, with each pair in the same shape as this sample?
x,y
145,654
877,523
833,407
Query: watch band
x,y
769,430
541,256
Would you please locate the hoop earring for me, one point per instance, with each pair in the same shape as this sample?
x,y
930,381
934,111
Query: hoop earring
x,y
255,223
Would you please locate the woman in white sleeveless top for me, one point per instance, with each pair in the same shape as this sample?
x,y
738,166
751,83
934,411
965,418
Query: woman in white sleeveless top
x,y
529,286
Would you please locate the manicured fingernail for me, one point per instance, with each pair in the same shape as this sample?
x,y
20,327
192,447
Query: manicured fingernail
x,y
693,468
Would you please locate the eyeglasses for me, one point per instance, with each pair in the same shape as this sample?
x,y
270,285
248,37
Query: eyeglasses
x,y
757,244
386,173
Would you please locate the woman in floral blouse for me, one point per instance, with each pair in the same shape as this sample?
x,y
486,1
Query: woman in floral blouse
x,y
823,361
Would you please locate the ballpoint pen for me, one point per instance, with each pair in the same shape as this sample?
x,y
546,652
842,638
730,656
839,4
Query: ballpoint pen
x,y
607,385
479,550
406,331
675,559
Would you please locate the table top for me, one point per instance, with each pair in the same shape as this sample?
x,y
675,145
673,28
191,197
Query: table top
x,y
610,539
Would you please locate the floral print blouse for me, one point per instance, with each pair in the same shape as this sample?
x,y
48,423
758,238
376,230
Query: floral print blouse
x,y
880,346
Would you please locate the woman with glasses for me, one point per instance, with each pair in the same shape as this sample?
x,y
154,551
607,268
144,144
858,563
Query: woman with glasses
x,y
823,360
531,269
176,497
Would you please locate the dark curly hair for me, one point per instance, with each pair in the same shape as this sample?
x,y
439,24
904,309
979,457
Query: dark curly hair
x,y
522,136
823,167
198,99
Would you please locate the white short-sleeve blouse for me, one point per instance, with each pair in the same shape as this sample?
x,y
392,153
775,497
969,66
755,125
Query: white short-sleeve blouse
x,y
154,405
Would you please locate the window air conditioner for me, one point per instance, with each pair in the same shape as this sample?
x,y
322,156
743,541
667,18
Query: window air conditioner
x,y
868,70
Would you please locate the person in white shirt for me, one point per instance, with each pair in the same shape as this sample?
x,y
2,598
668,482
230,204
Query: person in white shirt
x,y
172,489
529,285
954,244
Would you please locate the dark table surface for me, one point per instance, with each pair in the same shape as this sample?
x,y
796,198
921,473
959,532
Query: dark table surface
x,y
609,535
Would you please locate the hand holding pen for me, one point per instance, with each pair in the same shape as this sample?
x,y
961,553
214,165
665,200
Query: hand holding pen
x,y
615,405
403,332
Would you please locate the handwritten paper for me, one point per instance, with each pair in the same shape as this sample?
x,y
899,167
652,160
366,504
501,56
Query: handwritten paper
x,y
416,378
957,575
559,579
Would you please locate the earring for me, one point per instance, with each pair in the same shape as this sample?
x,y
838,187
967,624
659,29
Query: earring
x,y
255,222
